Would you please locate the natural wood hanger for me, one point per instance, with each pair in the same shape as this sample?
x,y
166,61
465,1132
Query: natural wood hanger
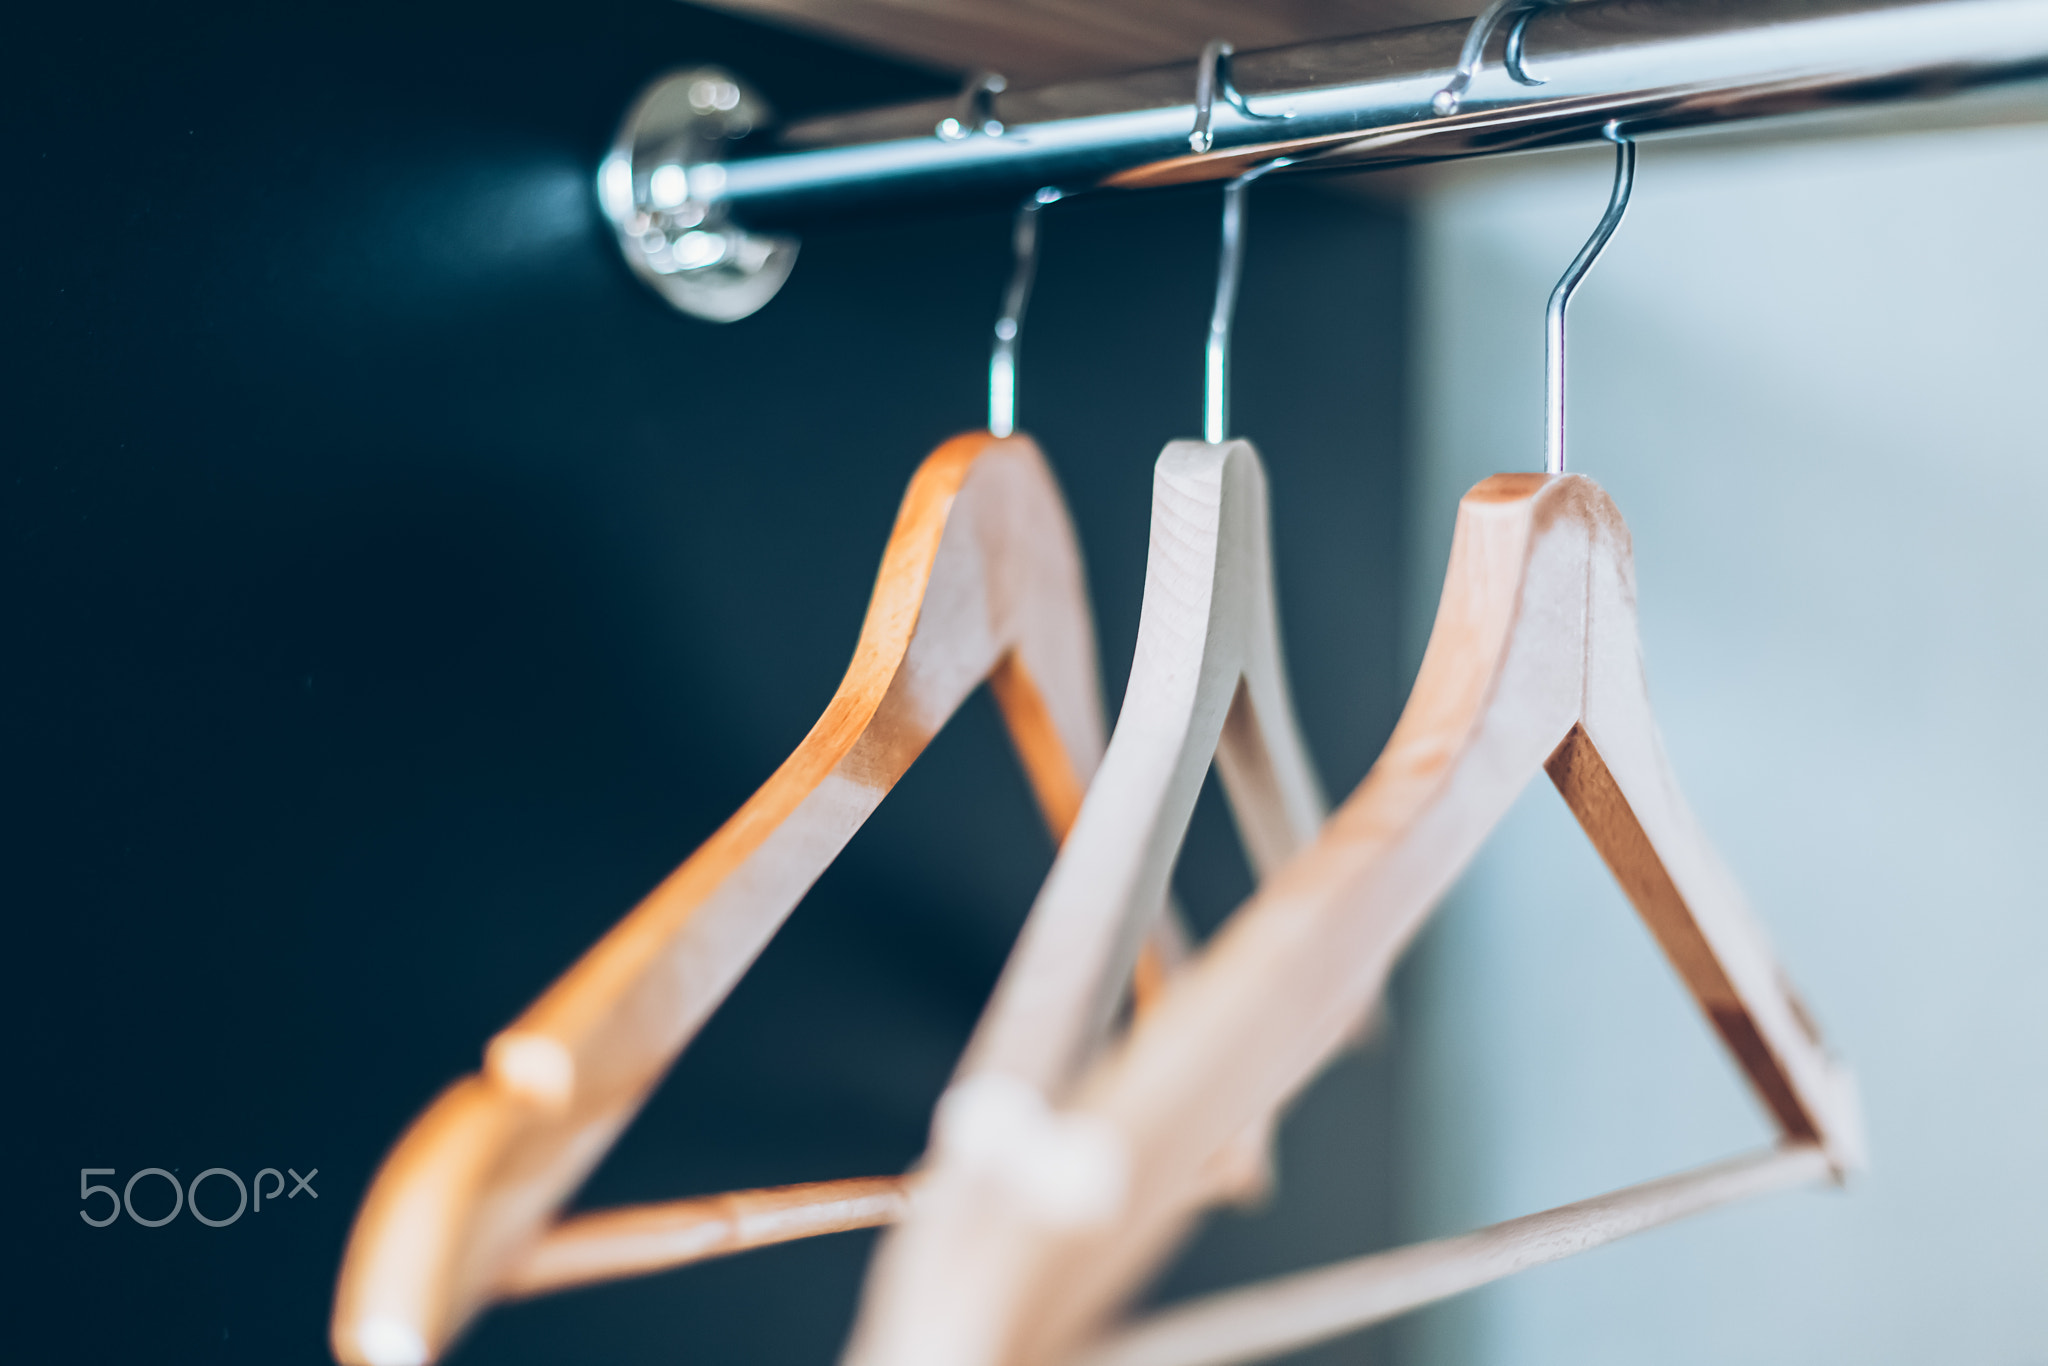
x,y
1207,680
1534,664
981,581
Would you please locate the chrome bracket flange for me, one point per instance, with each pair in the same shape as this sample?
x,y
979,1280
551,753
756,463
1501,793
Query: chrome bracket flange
x,y
662,186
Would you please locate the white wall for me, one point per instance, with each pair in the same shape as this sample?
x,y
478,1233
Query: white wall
x,y
1812,377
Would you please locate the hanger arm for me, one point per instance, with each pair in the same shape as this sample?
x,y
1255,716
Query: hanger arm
x,y
981,579
1206,681
1614,775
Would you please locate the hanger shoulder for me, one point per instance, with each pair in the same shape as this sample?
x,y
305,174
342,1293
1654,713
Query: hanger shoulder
x,y
1613,772
1207,649
945,612
981,577
1276,799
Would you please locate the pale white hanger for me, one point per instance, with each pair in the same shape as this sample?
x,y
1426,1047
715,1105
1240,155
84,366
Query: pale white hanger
x,y
1207,682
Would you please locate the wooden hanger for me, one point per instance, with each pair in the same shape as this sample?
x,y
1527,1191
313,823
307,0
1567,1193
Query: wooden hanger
x,y
1207,683
1534,665
981,581
1207,680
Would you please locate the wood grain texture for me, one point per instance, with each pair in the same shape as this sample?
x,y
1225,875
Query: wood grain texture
x,y
981,580
1534,664
1207,682
1044,40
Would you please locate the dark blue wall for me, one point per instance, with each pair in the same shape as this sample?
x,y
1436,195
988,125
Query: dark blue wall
x,y
393,589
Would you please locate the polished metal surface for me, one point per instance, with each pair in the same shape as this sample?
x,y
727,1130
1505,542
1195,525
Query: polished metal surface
x,y
1472,56
1223,316
1653,64
976,110
1212,78
1002,359
1561,296
661,186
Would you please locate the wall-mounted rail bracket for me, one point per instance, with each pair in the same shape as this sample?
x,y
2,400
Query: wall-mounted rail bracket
x,y
663,188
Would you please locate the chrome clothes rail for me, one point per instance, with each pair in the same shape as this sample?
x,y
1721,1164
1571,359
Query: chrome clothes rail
x,y
1354,102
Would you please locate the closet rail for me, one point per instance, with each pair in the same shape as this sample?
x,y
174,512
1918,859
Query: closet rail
x,y
1654,65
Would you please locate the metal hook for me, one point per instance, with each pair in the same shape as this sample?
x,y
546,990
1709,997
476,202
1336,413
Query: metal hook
x,y
1553,317
1511,50
1002,361
1473,54
1212,78
1229,268
976,112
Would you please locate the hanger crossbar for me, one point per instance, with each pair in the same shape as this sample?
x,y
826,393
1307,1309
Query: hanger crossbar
x,y
639,1240
1291,1312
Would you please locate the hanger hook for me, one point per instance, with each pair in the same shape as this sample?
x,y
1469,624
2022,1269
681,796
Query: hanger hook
x,y
976,111
1553,317
1473,54
1212,78
1002,361
1229,268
